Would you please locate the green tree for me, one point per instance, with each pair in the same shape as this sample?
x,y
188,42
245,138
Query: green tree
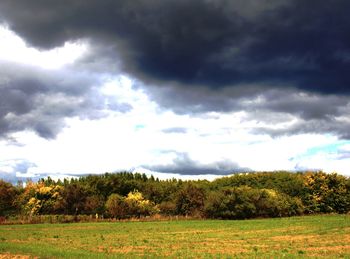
x,y
246,202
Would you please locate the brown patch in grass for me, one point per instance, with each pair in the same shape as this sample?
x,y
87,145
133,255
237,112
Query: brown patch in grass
x,y
333,251
211,242
82,226
122,250
17,256
330,248
129,249
193,232
346,238
273,230
296,238
238,231
223,250
17,241
228,247
99,249
329,239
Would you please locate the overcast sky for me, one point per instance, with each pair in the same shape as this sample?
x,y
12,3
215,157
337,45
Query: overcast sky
x,y
183,88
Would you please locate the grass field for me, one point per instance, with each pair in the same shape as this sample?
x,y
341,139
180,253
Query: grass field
x,y
296,237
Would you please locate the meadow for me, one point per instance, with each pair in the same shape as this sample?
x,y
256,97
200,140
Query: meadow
x,y
296,237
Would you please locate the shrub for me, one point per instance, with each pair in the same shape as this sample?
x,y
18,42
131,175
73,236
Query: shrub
x,y
246,202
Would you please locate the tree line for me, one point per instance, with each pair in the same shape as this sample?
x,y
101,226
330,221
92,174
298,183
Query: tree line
x,y
127,195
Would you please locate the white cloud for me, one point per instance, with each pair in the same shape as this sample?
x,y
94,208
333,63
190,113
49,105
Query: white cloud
x,y
122,141
117,142
169,176
14,49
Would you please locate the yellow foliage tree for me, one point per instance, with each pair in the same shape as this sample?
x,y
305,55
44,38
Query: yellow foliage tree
x,y
138,206
40,199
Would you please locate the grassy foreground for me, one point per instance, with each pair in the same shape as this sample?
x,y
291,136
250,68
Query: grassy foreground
x,y
296,237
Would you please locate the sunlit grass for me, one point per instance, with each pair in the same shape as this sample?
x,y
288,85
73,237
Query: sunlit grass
x,y
297,237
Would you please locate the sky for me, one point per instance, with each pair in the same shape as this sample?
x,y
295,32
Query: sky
x,y
192,89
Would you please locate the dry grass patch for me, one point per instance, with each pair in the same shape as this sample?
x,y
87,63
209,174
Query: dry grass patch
x,y
296,238
15,256
325,251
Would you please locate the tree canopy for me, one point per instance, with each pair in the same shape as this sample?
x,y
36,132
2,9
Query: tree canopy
x,y
126,195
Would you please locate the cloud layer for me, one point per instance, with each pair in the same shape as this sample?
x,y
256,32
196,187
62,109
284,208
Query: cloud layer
x,y
37,99
184,165
270,68
204,55
302,44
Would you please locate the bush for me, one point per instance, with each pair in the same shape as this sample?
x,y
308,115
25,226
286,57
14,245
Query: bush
x,y
245,202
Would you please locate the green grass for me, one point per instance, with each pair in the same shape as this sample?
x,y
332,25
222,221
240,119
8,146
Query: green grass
x,y
296,237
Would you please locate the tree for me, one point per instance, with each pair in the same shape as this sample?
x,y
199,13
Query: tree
x,y
138,206
8,195
326,193
38,198
190,200
246,202
72,202
116,206
133,205
94,204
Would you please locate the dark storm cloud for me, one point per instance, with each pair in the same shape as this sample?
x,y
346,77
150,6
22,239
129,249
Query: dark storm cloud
x,y
306,106
40,100
184,165
214,43
302,113
275,59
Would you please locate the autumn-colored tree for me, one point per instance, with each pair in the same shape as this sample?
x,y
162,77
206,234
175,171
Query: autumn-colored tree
x,y
8,195
37,198
326,193
116,206
72,202
133,205
190,200
245,195
94,204
138,206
